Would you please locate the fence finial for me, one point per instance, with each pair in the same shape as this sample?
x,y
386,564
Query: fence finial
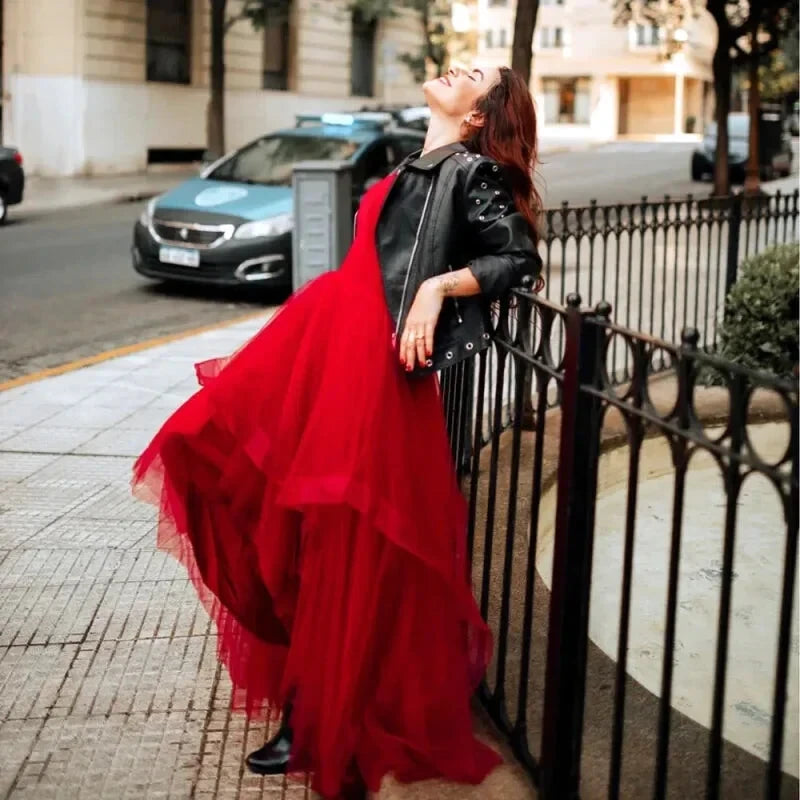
x,y
574,300
603,309
690,337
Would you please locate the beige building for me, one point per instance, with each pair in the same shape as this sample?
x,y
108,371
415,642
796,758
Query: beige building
x,y
106,86
599,80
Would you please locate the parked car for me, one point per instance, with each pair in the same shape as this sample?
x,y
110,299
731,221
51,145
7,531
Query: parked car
x,y
233,224
775,145
12,180
413,117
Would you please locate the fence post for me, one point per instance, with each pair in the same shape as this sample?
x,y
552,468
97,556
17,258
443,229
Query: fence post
x,y
572,558
524,308
734,226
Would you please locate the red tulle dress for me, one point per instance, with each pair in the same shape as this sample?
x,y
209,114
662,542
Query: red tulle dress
x,y
308,488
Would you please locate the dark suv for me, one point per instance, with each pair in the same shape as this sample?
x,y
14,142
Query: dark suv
x,y
12,180
775,147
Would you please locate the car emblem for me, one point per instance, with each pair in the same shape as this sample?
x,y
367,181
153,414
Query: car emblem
x,y
184,234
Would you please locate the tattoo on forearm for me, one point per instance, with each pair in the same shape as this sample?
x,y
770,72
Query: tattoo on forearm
x,y
447,283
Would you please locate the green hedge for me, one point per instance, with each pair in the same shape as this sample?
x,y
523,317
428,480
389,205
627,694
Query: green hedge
x,y
761,312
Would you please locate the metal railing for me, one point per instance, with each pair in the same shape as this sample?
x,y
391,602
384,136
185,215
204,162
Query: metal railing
x,y
531,475
663,265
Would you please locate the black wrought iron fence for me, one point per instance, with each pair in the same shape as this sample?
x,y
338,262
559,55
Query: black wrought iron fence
x,y
643,649
663,265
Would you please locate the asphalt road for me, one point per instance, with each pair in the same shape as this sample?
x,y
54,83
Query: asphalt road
x,y
68,291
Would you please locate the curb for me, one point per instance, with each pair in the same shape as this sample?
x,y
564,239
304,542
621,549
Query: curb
x,y
582,148
125,350
120,198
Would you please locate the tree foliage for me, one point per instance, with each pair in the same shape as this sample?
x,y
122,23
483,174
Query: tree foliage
x,y
777,75
260,13
435,21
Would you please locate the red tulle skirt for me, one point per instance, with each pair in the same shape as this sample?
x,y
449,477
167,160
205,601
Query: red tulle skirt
x,y
308,488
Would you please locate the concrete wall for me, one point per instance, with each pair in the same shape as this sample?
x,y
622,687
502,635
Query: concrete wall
x,y
42,60
78,68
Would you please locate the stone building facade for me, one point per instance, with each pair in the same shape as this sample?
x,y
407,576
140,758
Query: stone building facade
x,y
108,86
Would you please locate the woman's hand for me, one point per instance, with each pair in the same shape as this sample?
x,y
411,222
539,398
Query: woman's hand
x,y
416,343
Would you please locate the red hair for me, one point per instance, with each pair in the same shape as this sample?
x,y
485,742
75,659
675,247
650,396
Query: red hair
x,y
508,135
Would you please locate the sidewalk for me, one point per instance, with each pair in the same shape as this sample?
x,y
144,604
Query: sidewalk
x,y
551,144
784,185
44,195
109,683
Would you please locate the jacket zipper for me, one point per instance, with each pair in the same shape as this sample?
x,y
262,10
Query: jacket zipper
x,y
411,260
455,301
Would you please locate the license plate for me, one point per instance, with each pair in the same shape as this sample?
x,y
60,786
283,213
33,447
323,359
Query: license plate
x,y
179,256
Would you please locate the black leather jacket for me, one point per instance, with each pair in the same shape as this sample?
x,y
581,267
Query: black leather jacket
x,y
446,210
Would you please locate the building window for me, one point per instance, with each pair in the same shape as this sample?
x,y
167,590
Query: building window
x,y
502,42
551,37
276,52
362,59
489,40
168,41
647,35
566,100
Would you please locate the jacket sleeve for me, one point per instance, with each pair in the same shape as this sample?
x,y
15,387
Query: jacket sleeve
x,y
500,236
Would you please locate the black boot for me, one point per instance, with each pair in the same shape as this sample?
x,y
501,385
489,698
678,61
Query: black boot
x,y
273,757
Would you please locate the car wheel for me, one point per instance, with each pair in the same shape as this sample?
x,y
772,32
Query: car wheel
x,y
3,208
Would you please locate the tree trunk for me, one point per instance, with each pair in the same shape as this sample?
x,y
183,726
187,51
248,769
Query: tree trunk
x,y
430,49
721,66
752,179
216,104
522,47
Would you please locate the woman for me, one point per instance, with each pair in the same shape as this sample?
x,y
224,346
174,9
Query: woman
x,y
308,486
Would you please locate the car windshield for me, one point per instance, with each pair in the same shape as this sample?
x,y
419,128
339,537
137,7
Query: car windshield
x,y
738,127
270,160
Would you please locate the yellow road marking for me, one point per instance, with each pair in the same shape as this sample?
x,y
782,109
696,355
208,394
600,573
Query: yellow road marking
x,y
124,351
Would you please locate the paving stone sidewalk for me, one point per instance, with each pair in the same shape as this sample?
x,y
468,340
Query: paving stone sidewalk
x,y
109,682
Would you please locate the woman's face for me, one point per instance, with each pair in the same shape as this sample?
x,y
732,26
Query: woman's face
x,y
455,94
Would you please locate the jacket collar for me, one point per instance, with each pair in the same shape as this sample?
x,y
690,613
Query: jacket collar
x,y
432,160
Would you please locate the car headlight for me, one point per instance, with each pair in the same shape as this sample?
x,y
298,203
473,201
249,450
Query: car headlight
x,y
147,214
274,226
